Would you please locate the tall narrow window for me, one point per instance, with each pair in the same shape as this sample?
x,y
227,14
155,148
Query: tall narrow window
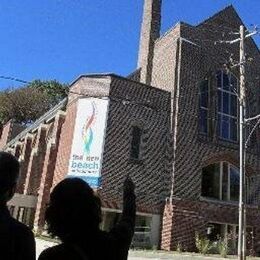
x,y
227,106
211,181
20,214
234,184
204,107
136,142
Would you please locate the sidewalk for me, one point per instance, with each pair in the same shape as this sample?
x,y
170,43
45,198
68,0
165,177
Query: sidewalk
x,y
142,254
158,255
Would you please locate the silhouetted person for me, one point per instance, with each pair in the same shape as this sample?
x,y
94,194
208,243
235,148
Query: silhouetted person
x,y
74,215
16,239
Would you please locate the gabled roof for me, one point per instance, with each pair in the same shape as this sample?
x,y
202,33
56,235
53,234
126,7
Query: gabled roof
x,y
227,19
223,18
229,12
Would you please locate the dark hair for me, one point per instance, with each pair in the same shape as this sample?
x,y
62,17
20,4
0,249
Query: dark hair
x,y
74,210
9,172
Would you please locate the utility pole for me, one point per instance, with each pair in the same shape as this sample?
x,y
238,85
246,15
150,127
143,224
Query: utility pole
x,y
242,140
241,233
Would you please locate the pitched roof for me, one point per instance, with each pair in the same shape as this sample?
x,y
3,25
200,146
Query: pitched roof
x,y
228,12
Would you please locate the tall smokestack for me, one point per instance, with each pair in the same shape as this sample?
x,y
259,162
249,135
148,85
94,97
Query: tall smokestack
x,y
150,31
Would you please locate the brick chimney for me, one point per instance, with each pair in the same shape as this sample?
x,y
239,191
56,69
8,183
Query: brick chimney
x,y
150,31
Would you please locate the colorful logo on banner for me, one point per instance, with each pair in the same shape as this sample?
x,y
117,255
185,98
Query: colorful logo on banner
x,y
88,140
87,130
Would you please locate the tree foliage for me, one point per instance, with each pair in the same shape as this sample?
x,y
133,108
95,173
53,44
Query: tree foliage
x,y
54,90
29,102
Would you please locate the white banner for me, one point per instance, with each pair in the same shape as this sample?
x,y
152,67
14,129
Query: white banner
x,y
88,140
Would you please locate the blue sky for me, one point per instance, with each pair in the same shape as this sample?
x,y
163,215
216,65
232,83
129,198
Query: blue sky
x,y
61,39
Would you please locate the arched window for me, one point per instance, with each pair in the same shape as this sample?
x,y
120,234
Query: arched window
x,y
227,106
220,181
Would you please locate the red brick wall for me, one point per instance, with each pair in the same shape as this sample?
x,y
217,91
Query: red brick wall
x,y
179,68
146,107
53,141
143,104
64,148
36,162
150,31
183,218
165,60
24,159
6,132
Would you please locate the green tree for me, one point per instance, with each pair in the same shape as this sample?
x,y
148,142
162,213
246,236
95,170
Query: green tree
x,y
28,103
52,88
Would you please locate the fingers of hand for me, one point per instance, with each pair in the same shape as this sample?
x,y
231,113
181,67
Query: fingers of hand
x,y
128,184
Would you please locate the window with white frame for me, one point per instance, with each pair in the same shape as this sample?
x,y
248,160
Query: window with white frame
x,y
204,106
227,106
220,181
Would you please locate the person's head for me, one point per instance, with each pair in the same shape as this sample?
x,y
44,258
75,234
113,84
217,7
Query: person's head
x,y
9,173
73,210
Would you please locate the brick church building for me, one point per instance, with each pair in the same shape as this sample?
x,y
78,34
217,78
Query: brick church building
x,y
172,125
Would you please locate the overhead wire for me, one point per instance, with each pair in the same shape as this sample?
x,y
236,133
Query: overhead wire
x,y
14,79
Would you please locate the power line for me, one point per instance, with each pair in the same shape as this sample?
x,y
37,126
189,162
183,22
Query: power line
x,y
15,79
127,101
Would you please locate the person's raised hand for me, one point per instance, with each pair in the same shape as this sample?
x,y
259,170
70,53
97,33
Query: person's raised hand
x,y
129,186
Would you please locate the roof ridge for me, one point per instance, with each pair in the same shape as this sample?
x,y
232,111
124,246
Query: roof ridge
x,y
219,12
